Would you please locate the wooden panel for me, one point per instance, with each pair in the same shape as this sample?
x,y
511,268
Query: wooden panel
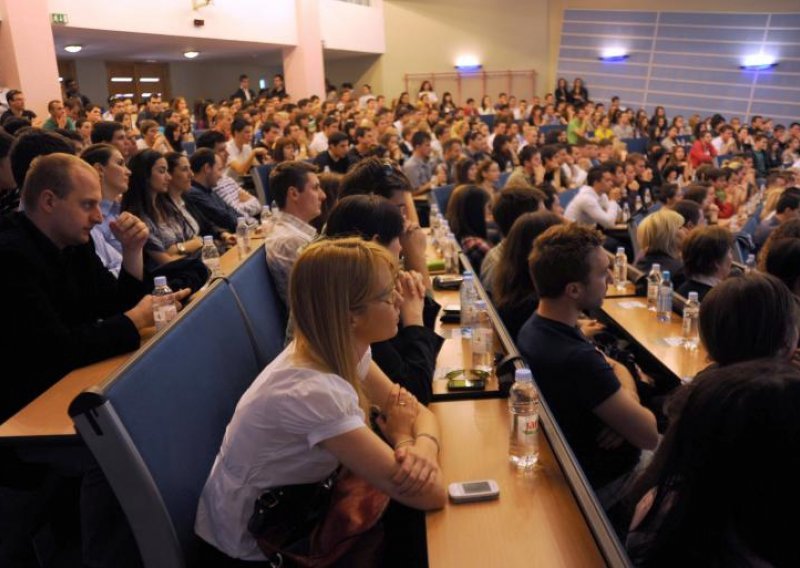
x,y
536,521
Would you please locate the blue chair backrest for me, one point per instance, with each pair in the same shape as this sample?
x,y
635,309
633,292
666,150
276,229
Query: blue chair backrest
x,y
637,145
189,147
252,284
503,179
488,119
566,196
548,128
261,181
442,195
157,425
751,225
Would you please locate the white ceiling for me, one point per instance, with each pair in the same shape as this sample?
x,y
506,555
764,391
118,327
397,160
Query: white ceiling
x,y
103,44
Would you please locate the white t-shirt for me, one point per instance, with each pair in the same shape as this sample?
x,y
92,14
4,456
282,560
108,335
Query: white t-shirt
x,y
236,155
271,441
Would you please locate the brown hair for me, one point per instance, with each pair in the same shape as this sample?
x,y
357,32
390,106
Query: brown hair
x,y
787,230
560,256
704,248
53,172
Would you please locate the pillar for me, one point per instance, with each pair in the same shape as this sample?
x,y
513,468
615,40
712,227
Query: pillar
x,y
303,65
28,53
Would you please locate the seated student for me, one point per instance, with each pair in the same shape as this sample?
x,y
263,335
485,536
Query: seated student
x,y
707,260
787,230
245,204
110,132
241,155
61,298
530,170
151,139
788,208
512,201
205,204
334,157
660,237
691,212
669,195
466,171
467,213
387,180
596,202
306,413
513,292
593,398
783,261
296,190
420,167
409,358
704,197
9,193
749,317
724,479
114,175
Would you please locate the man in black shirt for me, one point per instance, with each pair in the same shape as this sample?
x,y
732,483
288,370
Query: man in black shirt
x,y
16,107
593,397
335,157
57,297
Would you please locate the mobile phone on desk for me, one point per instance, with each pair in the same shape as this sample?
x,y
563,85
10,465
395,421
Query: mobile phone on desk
x,y
459,380
447,282
451,313
470,491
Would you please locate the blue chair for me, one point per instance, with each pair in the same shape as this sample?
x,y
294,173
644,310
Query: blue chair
x,y
260,175
442,195
548,128
488,119
566,196
189,147
260,305
637,145
156,426
503,179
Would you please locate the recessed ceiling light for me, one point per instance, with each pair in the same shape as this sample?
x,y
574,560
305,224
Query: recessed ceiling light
x,y
74,48
759,62
191,54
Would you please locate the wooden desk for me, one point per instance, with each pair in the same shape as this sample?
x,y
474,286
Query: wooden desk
x,y
643,328
628,291
46,416
536,521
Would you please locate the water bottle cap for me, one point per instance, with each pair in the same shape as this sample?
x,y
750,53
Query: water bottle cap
x,y
160,281
467,274
666,274
656,267
693,296
265,208
620,250
466,333
523,375
208,240
480,305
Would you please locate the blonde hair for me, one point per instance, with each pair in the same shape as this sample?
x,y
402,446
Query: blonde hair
x,y
330,280
659,232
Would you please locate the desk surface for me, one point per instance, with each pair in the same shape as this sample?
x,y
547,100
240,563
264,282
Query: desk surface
x,y
632,315
536,521
627,291
46,415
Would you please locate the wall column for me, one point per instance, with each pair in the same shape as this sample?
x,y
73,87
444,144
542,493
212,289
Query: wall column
x,y
303,66
28,53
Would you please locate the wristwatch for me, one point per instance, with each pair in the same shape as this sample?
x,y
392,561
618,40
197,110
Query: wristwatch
x,y
181,248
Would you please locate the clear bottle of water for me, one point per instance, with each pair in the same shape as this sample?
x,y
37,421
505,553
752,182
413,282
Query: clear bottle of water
x,y
620,269
450,253
523,403
164,310
266,218
482,339
653,284
664,310
210,256
750,263
626,212
691,313
468,295
637,204
242,237
648,198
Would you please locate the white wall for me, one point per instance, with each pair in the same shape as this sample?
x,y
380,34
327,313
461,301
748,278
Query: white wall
x,y
271,21
353,27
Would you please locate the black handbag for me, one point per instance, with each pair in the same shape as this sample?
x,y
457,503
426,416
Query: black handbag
x,y
186,272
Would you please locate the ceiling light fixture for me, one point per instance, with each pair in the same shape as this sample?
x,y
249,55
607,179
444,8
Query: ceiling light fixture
x,y
190,54
613,55
468,64
73,48
759,62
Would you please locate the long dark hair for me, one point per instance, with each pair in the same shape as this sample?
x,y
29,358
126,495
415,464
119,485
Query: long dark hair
x,y
466,211
512,280
726,472
366,216
137,199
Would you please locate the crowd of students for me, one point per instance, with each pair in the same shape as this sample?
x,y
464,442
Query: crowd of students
x,y
94,206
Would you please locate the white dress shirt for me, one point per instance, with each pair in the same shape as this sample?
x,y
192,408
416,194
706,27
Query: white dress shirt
x,y
589,208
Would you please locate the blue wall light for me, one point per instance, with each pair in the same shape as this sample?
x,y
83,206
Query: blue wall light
x,y
468,64
613,55
758,62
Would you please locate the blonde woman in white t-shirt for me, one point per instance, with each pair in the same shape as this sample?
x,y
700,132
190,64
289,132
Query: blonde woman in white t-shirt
x,y
306,412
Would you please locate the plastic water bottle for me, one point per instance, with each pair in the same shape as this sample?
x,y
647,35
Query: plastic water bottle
x,y
620,269
450,253
626,212
468,296
664,310
266,218
164,310
274,207
482,339
750,263
648,198
242,237
637,204
691,313
210,255
653,284
523,402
